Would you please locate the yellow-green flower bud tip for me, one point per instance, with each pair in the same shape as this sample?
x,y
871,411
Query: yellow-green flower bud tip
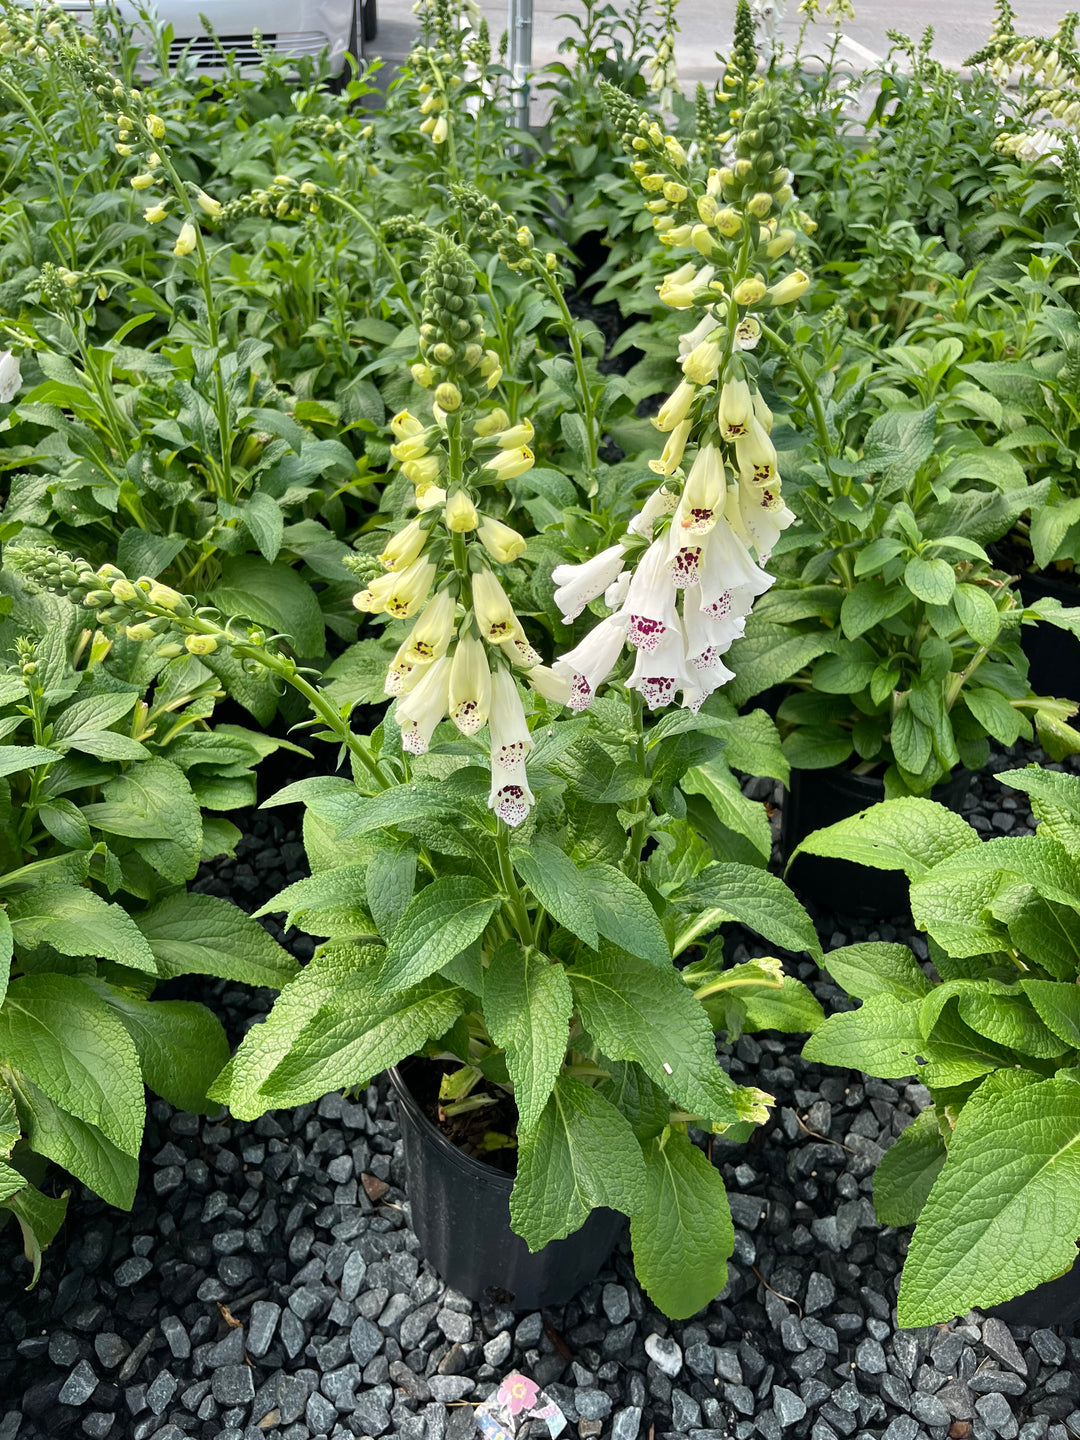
x,y
309,188
440,131
207,204
703,242
156,127
443,353
759,205
508,464
460,513
749,291
170,651
139,633
502,543
448,397
156,212
423,375
405,426
492,423
200,644
652,184
164,597
520,434
186,240
789,289
780,244
124,592
143,181
707,209
674,192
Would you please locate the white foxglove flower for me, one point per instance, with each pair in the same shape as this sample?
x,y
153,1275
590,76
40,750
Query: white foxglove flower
x,y
663,671
404,547
617,591
758,516
579,584
693,338
519,652
710,635
399,593
495,616
726,566
676,407
756,454
660,502
428,640
671,458
500,541
702,365
470,686
510,738
650,600
419,712
510,796
10,376
549,685
703,498
588,665
736,409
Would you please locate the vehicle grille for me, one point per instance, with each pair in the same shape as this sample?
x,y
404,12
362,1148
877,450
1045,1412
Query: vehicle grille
x,y
210,50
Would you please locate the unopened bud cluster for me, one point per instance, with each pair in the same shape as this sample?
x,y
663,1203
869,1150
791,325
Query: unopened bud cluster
x,y
454,363
283,199
513,242
28,34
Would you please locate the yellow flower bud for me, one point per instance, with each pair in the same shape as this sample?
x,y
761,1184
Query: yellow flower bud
x,y
123,149
519,434
154,213
509,464
674,409
164,597
403,548
200,644
492,423
441,131
675,192
143,181
424,471
124,592
703,242
156,126
207,204
759,205
423,375
443,353
406,426
503,544
781,244
675,151
309,188
652,184
707,209
789,289
139,633
749,291
448,397
460,513
186,240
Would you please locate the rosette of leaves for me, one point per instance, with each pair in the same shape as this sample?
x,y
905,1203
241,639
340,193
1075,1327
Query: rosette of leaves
x,y
989,1172
104,765
539,963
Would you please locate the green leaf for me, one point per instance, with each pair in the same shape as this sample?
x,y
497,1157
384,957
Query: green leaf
x,y
731,807
329,903
756,899
1004,1213
83,1149
40,1218
96,712
527,1005
181,1044
581,1155
1049,526
330,1029
355,814
444,918
1046,933
817,747
768,655
158,793
876,967
996,716
791,1008
682,1234
66,822
997,1011
847,670
904,1176
560,887
912,741
265,524
64,1038
1055,799
11,1182
932,581
203,935
14,758
644,1104
7,946
635,1011
909,834
624,915
272,595
868,604
882,1037
978,614
389,882
1058,1006
77,922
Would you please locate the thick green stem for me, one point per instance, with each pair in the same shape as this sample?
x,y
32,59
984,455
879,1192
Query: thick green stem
x,y
641,803
515,900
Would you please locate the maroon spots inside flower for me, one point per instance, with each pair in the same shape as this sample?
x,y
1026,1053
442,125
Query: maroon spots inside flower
x,y
762,474
468,717
770,500
686,567
580,693
412,738
511,805
707,659
645,633
500,630
659,690
423,650
510,756
720,607
736,430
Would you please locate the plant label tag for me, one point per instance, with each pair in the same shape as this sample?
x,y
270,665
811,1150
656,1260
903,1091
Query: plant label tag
x,y
516,1403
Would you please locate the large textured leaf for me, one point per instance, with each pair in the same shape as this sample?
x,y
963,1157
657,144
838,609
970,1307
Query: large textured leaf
x,y
876,967
181,1044
909,1168
441,921
157,793
758,900
909,834
527,1004
78,922
1002,1013
636,1012
56,1031
330,1029
91,1157
1059,1007
682,1235
204,935
881,1037
716,783
768,655
1004,1213
273,595
329,903
10,1182
14,758
1055,799
644,1104
7,944
560,886
581,1155
624,915
389,880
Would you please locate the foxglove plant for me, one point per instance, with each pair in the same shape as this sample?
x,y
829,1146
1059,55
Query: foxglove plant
x,y
683,578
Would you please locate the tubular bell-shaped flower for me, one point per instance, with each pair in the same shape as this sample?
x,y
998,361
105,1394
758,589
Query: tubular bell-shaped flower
x,y
578,585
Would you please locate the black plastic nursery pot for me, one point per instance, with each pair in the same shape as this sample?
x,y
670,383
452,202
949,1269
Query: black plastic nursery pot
x,y
461,1215
1055,1303
1053,654
817,798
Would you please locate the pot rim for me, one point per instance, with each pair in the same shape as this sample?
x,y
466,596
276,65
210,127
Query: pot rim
x,y
477,1170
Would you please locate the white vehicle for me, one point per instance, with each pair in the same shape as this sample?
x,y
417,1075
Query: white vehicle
x,y
289,29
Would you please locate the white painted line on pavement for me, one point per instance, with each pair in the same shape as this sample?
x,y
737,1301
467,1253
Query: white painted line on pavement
x,y
860,50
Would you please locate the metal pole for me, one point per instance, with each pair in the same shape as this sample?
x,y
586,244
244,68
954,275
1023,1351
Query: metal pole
x,y
520,27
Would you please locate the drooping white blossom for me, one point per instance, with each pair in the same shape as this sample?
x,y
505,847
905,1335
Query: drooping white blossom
x,y
581,584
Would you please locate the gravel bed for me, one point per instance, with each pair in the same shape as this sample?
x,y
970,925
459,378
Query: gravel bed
x,y
267,1283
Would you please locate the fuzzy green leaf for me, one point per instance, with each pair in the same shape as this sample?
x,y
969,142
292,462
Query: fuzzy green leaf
x,y
624,915
581,1155
181,1044
157,793
40,1218
389,881
560,886
756,899
878,968
83,1149
1058,1006
329,903
203,935
77,922
932,581
909,834
682,1235
272,595
912,1163
882,1037
527,1005
441,921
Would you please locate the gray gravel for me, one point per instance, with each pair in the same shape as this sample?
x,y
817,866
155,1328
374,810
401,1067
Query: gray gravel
x,y
262,1293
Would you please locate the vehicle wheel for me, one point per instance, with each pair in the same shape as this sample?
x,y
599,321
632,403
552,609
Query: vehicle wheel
x,y
370,20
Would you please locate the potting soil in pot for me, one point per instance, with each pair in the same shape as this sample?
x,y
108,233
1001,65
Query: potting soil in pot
x,y
267,1283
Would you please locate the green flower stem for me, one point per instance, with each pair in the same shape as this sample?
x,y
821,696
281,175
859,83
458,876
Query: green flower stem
x,y
516,901
641,803
588,405
382,247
